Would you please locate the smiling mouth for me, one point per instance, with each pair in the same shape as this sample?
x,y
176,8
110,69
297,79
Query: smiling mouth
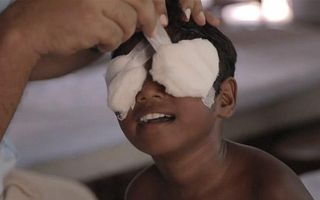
x,y
155,118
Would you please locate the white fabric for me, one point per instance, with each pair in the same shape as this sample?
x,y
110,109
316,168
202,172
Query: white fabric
x,y
7,161
28,185
312,182
186,69
4,4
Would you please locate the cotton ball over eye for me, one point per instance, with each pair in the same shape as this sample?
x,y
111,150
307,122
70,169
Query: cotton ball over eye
x,y
124,80
187,69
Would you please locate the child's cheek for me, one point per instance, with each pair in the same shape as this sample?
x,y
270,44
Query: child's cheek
x,y
128,126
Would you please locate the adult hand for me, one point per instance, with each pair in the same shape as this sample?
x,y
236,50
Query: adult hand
x,y
53,65
191,8
61,27
31,29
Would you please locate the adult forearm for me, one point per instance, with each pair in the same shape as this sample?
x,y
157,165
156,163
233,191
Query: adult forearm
x,y
52,66
16,62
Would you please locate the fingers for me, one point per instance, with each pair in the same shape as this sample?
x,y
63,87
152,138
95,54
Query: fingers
x,y
120,25
211,19
198,14
147,16
193,8
126,17
160,6
111,36
187,7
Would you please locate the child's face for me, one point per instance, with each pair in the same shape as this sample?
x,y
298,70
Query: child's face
x,y
187,121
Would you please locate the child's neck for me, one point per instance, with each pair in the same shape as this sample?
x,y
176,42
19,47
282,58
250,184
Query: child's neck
x,y
197,170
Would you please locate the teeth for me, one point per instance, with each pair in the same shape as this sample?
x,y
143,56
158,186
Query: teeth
x,y
152,116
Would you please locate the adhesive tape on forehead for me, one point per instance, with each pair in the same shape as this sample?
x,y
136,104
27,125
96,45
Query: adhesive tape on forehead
x,y
125,76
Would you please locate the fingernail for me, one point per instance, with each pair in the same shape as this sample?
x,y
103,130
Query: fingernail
x,y
187,12
202,18
164,20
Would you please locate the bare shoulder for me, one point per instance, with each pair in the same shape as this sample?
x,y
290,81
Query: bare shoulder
x,y
145,185
275,179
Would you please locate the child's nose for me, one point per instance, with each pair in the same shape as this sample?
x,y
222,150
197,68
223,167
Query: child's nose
x,y
150,91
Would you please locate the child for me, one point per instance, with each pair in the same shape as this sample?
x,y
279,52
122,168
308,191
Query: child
x,y
184,136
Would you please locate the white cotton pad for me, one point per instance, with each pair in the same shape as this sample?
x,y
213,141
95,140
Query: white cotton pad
x,y
124,81
125,77
186,69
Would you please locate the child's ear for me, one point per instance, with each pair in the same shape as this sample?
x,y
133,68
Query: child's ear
x,y
227,98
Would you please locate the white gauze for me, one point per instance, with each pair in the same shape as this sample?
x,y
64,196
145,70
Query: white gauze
x,y
187,69
125,77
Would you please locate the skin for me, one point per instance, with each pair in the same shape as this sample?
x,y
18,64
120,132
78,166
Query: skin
x,y
42,39
193,161
50,66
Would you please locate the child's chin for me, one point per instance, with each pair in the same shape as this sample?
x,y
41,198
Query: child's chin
x,y
156,150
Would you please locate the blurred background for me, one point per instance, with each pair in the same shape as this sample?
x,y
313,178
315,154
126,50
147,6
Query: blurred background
x,y
63,126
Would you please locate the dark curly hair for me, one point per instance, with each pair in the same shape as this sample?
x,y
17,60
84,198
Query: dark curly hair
x,y
178,30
